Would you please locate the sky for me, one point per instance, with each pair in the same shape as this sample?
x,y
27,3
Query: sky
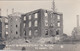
x,y
69,8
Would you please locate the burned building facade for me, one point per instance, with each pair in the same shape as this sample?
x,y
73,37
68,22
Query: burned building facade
x,y
37,23
3,29
42,23
14,23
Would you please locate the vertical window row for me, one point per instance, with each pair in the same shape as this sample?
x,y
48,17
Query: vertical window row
x,y
46,19
6,25
58,17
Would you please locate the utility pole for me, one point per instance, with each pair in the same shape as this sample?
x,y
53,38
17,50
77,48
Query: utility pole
x,y
53,6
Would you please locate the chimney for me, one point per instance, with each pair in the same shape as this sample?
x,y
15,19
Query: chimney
x,y
77,20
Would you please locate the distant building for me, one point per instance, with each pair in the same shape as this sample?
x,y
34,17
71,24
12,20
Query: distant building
x,y
3,27
76,30
14,25
42,22
76,33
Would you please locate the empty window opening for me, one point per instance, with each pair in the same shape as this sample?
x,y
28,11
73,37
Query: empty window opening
x,y
36,32
36,23
6,26
6,32
16,25
30,33
24,17
51,26
46,14
30,24
24,24
46,32
29,17
16,32
57,32
25,33
6,20
11,31
58,17
36,15
58,24
46,22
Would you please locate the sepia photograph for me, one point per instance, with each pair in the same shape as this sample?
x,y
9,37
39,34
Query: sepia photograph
x,y
39,25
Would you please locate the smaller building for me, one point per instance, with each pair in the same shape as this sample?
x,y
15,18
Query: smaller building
x,y
3,27
76,33
14,23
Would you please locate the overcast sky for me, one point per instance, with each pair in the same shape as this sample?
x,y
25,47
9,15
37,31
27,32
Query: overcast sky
x,y
69,8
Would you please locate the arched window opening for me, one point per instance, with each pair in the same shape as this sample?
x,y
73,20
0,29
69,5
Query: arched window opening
x,y
36,15
30,33
30,24
36,23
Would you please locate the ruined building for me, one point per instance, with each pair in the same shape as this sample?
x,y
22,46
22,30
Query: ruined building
x,y
3,29
42,23
3,26
14,23
37,23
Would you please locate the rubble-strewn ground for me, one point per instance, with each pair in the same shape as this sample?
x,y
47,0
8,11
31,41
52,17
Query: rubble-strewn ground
x,y
45,47
41,44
